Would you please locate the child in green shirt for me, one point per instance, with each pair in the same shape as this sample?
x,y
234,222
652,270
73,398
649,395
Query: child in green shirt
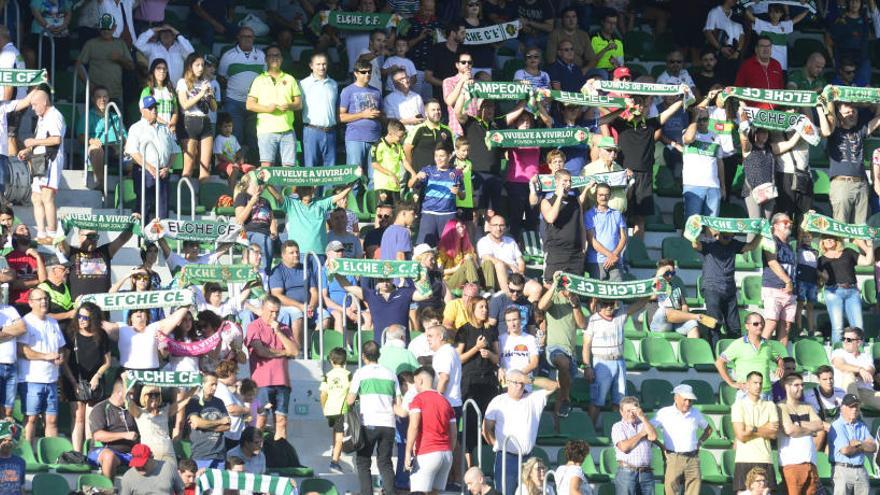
x,y
334,391
389,164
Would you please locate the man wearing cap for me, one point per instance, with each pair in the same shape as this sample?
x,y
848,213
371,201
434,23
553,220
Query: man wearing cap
x,y
848,441
755,424
148,476
273,96
606,163
167,43
747,354
113,426
797,449
156,158
11,465
56,287
681,422
91,264
106,58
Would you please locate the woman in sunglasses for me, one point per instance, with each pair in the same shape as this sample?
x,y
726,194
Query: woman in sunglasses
x,y
151,414
87,358
837,270
140,280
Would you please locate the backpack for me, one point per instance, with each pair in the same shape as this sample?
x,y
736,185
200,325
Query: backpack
x,y
71,457
280,453
352,431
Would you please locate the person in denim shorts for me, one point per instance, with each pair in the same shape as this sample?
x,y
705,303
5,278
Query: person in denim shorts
x,y
11,326
806,279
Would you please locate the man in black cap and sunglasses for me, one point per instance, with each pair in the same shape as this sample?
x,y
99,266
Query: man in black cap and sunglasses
x,y
91,264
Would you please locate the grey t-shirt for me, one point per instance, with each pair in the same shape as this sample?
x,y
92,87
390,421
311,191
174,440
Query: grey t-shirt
x,y
162,480
207,444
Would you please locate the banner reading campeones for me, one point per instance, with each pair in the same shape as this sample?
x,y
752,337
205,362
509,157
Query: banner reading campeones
x,y
120,301
312,176
374,268
164,378
611,290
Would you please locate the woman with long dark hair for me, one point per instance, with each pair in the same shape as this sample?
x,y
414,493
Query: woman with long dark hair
x,y
456,255
159,87
86,360
196,100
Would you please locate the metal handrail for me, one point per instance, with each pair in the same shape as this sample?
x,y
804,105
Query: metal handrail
x,y
464,422
112,106
519,454
547,475
192,201
46,34
358,338
144,183
86,162
318,264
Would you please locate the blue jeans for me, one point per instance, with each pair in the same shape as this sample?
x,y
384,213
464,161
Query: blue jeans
x,y
39,398
512,474
265,243
319,147
838,300
358,153
629,482
8,381
277,144
701,201
244,123
610,376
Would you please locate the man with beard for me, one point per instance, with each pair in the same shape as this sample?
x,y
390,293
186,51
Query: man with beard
x,y
28,267
797,451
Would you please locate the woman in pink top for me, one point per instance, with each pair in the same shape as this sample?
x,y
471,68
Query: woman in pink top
x,y
522,165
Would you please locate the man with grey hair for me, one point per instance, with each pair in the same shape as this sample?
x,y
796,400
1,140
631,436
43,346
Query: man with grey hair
x,y
777,281
10,58
681,422
632,437
394,355
511,425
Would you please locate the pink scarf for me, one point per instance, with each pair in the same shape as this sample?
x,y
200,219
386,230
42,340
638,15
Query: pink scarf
x,y
200,347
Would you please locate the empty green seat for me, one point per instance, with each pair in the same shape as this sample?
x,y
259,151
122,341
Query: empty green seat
x,y
697,353
318,485
665,184
869,292
608,461
706,400
821,185
637,255
681,250
716,440
32,465
709,470
810,354
577,426
631,356
751,291
658,353
533,252
49,483
656,393
48,450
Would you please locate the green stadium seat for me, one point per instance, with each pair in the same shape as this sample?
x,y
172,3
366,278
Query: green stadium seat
x,y
580,393
636,254
608,462
665,184
751,291
49,483
681,250
589,467
48,450
709,470
721,345
638,44
631,356
727,394
128,198
746,261
606,489
533,245
739,178
210,192
577,426
94,480
869,292
656,393
706,400
183,449
658,353
332,339
810,354
637,69
727,462
821,186
655,223
823,466
541,454
716,440
318,485
697,353
631,330
733,210
488,458
607,420
26,452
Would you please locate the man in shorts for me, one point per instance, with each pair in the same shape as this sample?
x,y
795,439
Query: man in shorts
x,y
564,316
604,367
777,281
433,427
113,426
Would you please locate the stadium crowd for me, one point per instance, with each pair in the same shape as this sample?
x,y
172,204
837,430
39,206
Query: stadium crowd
x,y
495,319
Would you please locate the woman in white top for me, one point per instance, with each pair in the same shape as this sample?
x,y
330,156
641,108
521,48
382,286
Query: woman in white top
x,y
532,478
570,479
756,481
196,97
227,385
138,344
151,416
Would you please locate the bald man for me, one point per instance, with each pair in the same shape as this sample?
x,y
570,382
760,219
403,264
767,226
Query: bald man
x,y
476,482
46,146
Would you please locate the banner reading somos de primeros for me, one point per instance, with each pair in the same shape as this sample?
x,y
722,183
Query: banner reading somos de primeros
x,y
374,268
175,379
312,176
121,301
22,77
634,289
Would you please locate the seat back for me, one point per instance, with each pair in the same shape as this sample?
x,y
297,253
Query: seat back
x,y
49,483
49,448
94,480
656,393
696,351
318,485
658,351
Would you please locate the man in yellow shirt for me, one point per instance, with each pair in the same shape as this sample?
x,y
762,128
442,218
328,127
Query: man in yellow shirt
x,y
608,47
274,96
755,423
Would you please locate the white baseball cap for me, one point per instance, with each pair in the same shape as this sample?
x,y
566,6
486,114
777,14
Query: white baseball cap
x,y
685,391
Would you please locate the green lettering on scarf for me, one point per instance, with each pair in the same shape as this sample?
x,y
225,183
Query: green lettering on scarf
x,y
22,77
175,379
199,274
312,176
358,21
634,289
785,97
374,268
541,138
121,301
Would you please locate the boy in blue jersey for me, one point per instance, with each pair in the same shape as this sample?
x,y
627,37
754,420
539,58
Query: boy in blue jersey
x,y
440,184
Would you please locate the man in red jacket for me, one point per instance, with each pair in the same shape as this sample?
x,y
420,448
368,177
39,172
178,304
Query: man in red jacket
x,y
761,71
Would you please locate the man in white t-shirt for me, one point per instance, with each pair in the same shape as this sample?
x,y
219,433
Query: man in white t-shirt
x,y
515,414
11,327
447,365
701,168
499,255
519,351
404,104
41,357
238,68
825,400
854,369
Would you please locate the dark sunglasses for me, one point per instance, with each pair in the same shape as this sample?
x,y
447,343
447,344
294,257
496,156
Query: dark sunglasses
x,y
83,317
368,71
754,323
850,339
466,62
670,273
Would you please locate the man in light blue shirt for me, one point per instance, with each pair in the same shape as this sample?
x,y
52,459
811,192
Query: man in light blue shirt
x,y
850,440
606,238
320,103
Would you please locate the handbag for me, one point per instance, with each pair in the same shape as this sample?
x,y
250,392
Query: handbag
x,y
83,389
764,192
802,182
39,165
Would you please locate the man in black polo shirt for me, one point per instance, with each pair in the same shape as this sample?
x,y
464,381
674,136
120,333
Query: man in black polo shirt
x,y
636,137
564,236
422,140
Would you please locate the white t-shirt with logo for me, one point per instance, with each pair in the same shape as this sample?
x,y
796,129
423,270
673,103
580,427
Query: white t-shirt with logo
x,y
42,336
517,350
700,161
